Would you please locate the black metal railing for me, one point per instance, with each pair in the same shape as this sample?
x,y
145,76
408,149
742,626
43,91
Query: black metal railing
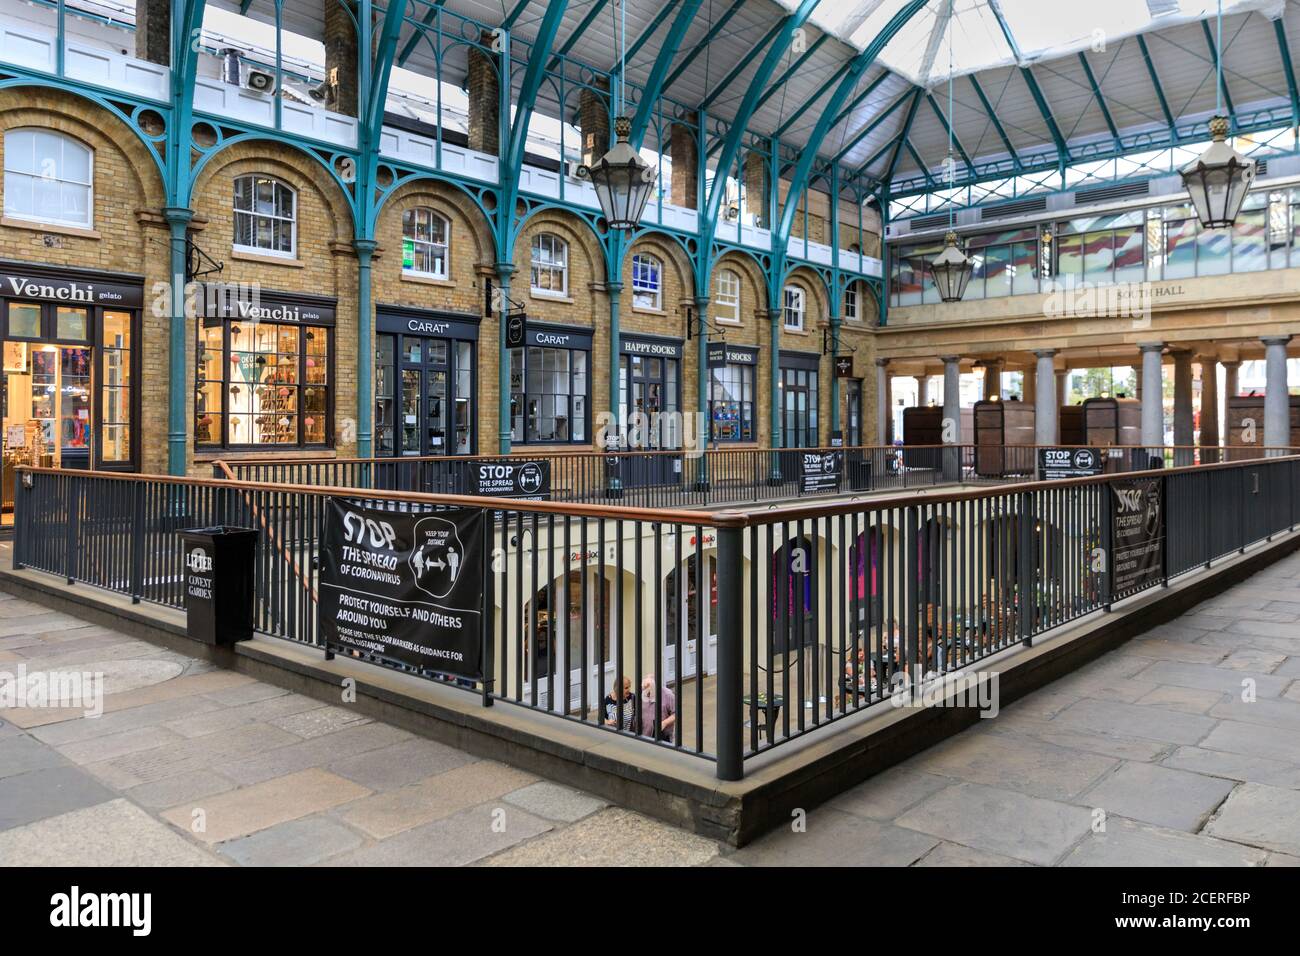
x,y
716,477
764,624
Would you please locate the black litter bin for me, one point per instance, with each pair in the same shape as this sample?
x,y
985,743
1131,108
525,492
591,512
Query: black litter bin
x,y
860,475
219,583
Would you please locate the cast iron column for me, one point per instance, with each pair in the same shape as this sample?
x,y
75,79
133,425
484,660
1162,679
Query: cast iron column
x,y
1277,403
178,219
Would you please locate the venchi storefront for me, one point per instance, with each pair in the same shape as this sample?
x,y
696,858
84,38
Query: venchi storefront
x,y
425,382
71,364
264,371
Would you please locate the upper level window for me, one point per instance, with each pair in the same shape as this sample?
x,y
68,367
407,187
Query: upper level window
x,y
48,178
851,303
550,260
424,243
794,308
647,282
726,300
266,216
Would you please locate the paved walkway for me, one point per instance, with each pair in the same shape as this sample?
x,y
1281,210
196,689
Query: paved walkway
x,y
1148,756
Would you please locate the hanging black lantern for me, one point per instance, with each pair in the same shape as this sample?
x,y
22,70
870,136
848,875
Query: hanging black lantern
x,y
1217,181
952,270
622,179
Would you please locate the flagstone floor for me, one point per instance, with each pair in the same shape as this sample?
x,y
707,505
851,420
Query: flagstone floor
x,y
1182,747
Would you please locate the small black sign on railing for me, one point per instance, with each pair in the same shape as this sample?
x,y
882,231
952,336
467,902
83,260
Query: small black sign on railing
x,y
525,480
820,471
403,587
1057,463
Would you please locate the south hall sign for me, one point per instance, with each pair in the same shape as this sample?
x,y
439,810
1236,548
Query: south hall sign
x,y
404,588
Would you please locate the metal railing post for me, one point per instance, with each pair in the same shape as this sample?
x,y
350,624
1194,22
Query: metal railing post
x,y
731,657
137,542
1027,568
70,545
1107,544
22,537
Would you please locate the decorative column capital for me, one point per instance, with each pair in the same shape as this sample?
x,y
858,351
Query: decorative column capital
x,y
1275,339
882,362
1045,353
950,359
1151,346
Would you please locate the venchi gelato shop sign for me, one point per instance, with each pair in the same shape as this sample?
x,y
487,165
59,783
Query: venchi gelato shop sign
x,y
74,288
254,304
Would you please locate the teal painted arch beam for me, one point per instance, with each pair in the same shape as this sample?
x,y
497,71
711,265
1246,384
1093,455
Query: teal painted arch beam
x,y
993,118
731,145
1288,67
800,177
703,45
947,128
655,83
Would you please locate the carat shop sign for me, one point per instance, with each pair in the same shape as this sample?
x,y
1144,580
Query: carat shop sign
x,y
404,588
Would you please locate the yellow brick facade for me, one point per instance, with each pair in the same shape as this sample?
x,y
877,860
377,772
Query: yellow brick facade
x,y
130,235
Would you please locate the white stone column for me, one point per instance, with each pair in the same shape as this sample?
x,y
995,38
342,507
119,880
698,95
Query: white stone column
x,y
1209,409
1277,403
1153,410
952,415
1046,409
1062,390
884,401
1184,427
1230,370
922,391
992,380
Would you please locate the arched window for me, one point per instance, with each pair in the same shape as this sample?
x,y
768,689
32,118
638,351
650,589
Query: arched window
x,y
647,282
425,237
550,259
794,308
266,216
48,178
726,299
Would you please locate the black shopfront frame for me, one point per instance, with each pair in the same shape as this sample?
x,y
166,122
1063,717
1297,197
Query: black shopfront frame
x,y
311,315
55,287
401,323
548,335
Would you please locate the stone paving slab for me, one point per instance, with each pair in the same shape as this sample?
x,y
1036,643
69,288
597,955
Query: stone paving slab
x,y
400,764
613,837
1176,799
114,833
268,762
554,802
887,795
1001,821
1225,680
385,814
296,843
835,838
20,754
1262,816
38,794
239,812
1152,723
1129,844
1025,764
1244,767
460,839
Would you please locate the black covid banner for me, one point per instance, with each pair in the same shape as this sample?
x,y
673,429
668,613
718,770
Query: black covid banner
x,y
404,588
1137,533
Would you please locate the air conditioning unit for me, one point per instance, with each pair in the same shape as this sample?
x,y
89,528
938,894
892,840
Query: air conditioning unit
x,y
259,81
